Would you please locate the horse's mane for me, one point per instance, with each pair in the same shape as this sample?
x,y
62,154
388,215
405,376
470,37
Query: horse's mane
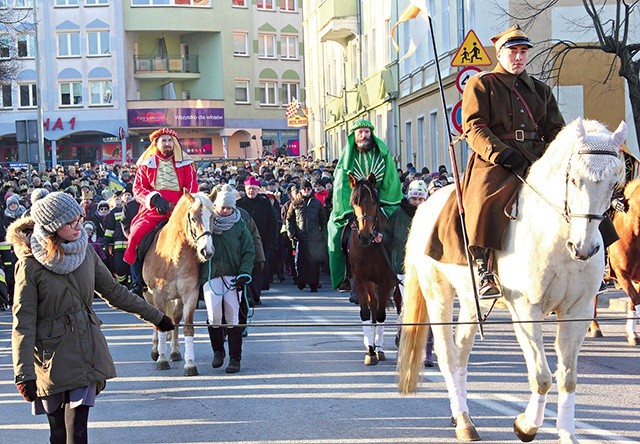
x,y
632,192
569,142
175,228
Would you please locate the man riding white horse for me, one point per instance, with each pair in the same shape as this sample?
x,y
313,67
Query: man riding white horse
x,y
163,173
509,119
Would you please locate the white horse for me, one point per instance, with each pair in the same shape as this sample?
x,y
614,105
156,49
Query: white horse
x,y
553,261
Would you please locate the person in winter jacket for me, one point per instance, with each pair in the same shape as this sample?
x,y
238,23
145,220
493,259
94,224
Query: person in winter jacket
x,y
225,275
60,356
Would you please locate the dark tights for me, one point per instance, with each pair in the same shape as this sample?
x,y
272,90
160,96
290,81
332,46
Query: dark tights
x,y
69,426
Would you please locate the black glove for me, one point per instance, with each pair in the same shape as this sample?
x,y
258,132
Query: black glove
x,y
240,282
166,324
28,390
619,203
512,160
160,204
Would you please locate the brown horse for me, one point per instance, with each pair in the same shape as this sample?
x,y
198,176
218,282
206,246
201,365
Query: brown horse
x,y
373,275
623,255
171,270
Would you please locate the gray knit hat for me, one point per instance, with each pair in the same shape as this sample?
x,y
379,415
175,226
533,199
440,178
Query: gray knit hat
x,y
224,196
54,210
38,194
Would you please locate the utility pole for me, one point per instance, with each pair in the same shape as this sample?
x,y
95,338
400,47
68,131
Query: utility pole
x,y
41,158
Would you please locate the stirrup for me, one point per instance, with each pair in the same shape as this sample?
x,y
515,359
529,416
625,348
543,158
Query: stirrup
x,y
488,288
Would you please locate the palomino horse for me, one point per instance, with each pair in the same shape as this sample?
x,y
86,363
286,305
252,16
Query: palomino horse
x,y
171,268
373,276
623,255
553,261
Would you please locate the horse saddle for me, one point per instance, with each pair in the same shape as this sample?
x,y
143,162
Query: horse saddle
x,y
147,240
345,237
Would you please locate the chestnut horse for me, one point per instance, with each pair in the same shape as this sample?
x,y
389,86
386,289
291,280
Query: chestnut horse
x,y
171,270
623,255
373,276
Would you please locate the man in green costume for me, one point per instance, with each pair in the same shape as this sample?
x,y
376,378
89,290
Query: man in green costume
x,y
363,154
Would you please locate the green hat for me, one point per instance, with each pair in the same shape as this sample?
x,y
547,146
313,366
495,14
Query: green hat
x,y
362,123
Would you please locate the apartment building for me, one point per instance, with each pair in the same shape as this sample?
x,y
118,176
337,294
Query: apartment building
x,y
110,72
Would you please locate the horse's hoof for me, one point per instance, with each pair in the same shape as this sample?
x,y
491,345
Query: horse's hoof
x,y
191,371
465,429
380,355
595,333
370,359
175,356
524,433
567,438
633,339
154,355
163,365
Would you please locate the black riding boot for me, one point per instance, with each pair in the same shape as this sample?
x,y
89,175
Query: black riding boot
x,y
137,283
235,349
488,289
216,336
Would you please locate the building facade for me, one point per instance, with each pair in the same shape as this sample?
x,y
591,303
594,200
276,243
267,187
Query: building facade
x,y
110,72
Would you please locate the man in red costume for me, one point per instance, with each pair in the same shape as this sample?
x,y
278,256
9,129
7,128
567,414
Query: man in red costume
x,y
163,173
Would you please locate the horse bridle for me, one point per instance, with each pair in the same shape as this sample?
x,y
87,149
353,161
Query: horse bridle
x,y
192,232
565,212
365,216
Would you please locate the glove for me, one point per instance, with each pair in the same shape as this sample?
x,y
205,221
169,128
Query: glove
x,y
512,160
240,282
620,204
160,204
28,390
166,324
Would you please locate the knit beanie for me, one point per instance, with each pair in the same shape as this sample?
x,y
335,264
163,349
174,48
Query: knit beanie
x,y
417,188
38,194
54,210
13,199
224,196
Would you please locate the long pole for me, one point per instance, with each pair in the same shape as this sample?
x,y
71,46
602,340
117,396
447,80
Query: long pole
x,y
39,98
456,179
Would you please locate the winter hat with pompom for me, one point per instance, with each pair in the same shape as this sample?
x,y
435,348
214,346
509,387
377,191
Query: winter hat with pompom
x,y
38,194
55,210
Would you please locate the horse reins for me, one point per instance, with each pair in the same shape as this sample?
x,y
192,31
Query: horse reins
x,y
565,212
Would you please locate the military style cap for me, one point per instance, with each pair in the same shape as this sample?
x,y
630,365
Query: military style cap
x,y
362,123
511,37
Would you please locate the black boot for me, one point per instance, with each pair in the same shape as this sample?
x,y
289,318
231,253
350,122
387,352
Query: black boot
x,y
488,288
235,349
216,337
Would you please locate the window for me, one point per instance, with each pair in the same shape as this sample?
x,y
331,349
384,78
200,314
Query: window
x,y
96,2
288,5
242,91
268,93
290,91
70,93
239,3
100,92
5,46
266,4
289,47
5,91
68,44
240,44
28,98
26,46
267,46
98,43
24,3
170,3
66,2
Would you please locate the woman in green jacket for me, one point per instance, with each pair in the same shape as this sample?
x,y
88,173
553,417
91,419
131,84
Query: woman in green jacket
x,y
225,275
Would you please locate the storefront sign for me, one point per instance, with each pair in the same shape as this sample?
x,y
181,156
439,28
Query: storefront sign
x,y
176,117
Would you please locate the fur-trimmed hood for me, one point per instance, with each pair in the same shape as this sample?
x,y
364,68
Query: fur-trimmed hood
x,y
18,234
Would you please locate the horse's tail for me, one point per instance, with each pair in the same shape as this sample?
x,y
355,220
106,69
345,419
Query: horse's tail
x,y
413,338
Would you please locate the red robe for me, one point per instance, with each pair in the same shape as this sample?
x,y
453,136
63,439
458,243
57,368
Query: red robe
x,y
144,189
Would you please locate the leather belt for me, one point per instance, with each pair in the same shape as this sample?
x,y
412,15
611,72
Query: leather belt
x,y
520,135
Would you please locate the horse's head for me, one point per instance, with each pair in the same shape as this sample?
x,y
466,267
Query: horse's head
x,y
592,171
198,213
365,202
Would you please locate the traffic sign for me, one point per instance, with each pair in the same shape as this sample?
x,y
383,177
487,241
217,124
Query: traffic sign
x,y
456,116
471,52
463,76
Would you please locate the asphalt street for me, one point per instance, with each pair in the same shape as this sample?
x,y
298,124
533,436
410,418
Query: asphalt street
x,y
305,382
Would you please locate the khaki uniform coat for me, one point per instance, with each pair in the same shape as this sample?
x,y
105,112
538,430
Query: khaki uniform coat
x,y
52,339
491,111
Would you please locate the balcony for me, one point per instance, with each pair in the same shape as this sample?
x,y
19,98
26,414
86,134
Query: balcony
x,y
177,67
338,20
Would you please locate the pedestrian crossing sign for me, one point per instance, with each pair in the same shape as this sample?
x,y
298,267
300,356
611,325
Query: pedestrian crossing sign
x,y
471,52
